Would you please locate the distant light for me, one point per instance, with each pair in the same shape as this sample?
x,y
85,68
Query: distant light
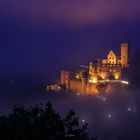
x,y
78,93
104,99
59,88
125,82
129,109
83,121
109,116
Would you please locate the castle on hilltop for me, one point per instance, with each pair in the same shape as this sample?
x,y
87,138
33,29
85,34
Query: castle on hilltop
x,y
112,66
101,75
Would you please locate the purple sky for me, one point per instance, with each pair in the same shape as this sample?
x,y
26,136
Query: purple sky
x,y
38,38
77,12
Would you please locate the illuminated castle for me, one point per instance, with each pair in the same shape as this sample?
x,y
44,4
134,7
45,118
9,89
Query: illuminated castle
x,y
112,66
102,75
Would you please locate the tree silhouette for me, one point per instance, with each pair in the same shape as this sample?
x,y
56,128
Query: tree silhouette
x,y
72,127
133,72
41,123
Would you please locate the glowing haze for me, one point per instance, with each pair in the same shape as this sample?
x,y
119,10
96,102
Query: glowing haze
x,y
79,12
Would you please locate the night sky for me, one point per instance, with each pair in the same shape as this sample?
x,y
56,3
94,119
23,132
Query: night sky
x,y
38,38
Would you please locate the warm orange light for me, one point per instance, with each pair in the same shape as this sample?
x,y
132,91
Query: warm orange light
x,y
116,76
125,82
93,80
103,76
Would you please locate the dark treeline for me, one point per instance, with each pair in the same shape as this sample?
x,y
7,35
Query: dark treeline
x,y
41,123
133,72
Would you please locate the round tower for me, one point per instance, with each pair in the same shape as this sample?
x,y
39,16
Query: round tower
x,y
124,54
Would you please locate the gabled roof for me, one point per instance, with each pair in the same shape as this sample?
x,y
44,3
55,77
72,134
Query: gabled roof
x,y
112,52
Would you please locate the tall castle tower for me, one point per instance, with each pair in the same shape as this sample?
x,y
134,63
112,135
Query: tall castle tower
x,y
124,54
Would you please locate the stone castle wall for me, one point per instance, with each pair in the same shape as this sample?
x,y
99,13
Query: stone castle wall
x,y
83,86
